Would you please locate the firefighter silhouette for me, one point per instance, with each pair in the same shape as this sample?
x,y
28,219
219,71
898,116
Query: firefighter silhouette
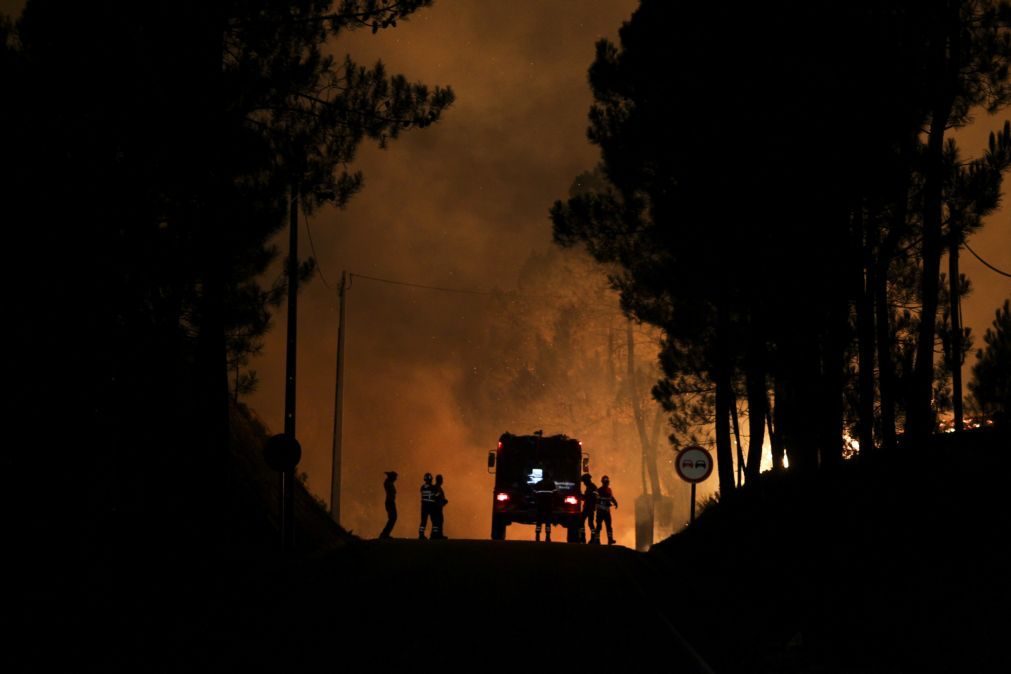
x,y
439,496
605,499
589,505
391,503
544,499
427,505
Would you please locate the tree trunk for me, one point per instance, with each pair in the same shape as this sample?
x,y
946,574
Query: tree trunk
x,y
212,410
956,328
830,430
648,448
774,419
210,469
886,368
737,440
944,69
865,234
758,403
724,399
882,324
802,398
920,415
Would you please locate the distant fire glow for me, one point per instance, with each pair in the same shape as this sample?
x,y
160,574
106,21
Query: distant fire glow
x,y
948,425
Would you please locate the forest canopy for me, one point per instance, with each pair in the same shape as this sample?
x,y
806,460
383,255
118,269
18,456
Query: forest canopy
x,y
777,190
152,153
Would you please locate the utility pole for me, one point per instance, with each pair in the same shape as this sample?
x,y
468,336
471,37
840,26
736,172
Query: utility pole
x,y
338,406
288,475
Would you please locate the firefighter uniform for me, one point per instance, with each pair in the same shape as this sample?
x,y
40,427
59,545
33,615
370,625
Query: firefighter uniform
x,y
439,500
427,504
605,499
589,505
544,493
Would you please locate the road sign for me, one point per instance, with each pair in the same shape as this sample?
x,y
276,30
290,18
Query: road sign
x,y
282,452
694,464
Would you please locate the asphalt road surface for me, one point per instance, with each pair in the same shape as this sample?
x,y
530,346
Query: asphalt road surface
x,y
480,605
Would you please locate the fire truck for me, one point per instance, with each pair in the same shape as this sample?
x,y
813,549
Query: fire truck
x,y
519,462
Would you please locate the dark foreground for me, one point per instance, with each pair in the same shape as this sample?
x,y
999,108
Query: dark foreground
x,y
484,605
894,563
400,604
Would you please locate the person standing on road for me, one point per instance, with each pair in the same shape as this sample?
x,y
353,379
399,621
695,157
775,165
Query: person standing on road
x,y
427,505
589,505
439,496
544,495
605,499
391,503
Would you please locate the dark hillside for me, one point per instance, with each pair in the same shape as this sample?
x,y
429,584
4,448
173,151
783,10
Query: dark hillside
x,y
887,564
254,512
116,594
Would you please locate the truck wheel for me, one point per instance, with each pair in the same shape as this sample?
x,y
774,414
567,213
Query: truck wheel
x,y
498,528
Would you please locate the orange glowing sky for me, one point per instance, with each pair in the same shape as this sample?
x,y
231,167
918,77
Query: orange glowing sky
x,y
462,204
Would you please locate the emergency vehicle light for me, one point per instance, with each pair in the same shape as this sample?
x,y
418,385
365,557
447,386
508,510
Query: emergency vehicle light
x,y
571,500
502,497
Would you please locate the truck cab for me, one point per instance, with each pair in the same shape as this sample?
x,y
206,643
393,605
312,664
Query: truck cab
x,y
519,462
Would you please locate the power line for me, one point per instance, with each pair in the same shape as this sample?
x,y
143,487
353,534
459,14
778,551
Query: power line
x,y
419,285
465,291
312,247
1002,273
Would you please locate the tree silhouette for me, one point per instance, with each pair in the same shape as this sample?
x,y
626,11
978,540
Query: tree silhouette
x,y
751,241
991,384
166,165
967,55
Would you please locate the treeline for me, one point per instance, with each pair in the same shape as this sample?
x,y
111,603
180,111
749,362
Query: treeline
x,y
151,153
777,188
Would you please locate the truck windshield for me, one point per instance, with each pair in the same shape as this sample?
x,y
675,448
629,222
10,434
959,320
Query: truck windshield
x,y
519,467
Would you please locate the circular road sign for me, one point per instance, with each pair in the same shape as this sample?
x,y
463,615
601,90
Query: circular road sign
x,y
282,452
694,464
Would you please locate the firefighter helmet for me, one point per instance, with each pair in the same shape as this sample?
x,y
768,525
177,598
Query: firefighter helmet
x,y
428,477
604,480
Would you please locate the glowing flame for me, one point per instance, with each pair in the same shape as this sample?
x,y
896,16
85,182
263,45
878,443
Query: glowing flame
x,y
502,497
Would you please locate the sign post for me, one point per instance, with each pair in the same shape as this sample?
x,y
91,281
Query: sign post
x,y
693,464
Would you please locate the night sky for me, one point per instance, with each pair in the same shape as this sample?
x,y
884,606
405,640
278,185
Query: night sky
x,y
463,204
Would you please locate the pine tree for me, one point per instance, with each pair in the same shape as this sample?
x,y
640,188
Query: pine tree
x,y
991,384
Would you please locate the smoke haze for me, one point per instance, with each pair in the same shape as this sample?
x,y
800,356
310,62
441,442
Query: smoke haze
x,y
463,204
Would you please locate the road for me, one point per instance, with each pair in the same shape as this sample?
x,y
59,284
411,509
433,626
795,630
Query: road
x,y
483,605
